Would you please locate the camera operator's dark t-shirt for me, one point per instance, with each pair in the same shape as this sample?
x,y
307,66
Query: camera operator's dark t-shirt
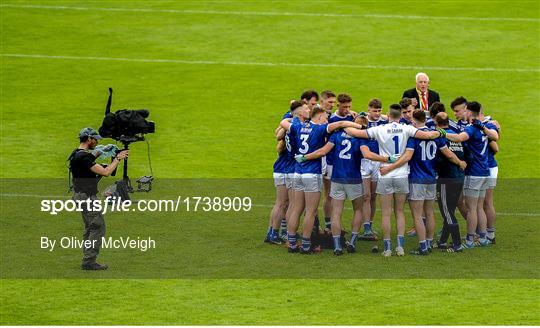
x,y
84,180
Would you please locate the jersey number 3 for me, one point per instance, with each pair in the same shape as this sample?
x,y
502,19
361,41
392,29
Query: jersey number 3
x,y
305,147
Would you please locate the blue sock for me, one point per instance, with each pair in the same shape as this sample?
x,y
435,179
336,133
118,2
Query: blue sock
x,y
367,227
370,222
337,242
306,243
482,235
429,243
283,227
469,238
327,223
316,224
354,236
387,244
401,241
423,246
291,237
269,231
275,234
477,230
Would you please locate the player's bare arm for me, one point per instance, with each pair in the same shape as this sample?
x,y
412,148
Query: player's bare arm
x,y
342,125
320,152
286,124
280,146
494,146
459,137
356,132
280,133
427,135
405,158
368,154
453,158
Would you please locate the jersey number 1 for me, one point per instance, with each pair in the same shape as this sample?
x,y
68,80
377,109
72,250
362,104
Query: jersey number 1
x,y
396,144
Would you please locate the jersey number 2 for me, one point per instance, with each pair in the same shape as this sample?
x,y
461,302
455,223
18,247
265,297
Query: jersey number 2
x,y
343,153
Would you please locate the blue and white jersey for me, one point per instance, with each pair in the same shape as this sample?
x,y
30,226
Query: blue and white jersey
x,y
423,163
476,152
461,124
307,137
372,143
285,162
287,115
347,158
336,118
492,162
430,123
453,126
404,121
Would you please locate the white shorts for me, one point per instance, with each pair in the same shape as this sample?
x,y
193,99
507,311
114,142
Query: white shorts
x,y
328,174
280,179
493,173
397,185
289,179
475,186
419,191
370,169
307,182
341,191
323,165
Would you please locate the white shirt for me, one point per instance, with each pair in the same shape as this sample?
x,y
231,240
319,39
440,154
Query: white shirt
x,y
392,139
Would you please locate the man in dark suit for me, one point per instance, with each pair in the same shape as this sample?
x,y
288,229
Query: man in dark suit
x,y
423,96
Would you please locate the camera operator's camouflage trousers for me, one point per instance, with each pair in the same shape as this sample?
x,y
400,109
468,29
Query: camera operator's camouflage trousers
x,y
94,229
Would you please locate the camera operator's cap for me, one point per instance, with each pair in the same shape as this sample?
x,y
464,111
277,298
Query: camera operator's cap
x,y
89,132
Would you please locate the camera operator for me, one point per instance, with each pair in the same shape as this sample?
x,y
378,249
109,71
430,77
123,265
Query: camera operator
x,y
86,174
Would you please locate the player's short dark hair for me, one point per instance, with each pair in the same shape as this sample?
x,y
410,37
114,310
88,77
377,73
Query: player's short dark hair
x,y
441,119
344,98
316,110
295,104
308,94
419,115
474,106
435,108
405,102
458,101
327,94
375,103
394,111
84,139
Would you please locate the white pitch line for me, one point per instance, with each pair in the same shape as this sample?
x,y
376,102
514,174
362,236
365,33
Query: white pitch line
x,y
271,13
254,205
277,64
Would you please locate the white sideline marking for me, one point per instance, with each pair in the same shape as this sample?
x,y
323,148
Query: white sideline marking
x,y
254,205
246,63
270,13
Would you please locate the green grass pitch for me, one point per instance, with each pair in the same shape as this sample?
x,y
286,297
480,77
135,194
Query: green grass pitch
x,y
217,76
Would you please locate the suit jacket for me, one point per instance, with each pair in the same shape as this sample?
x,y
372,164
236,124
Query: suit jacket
x,y
433,96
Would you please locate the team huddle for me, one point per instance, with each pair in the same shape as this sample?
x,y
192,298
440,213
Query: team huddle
x,y
414,154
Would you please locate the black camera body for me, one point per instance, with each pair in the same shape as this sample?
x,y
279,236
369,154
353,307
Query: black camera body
x,y
125,125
